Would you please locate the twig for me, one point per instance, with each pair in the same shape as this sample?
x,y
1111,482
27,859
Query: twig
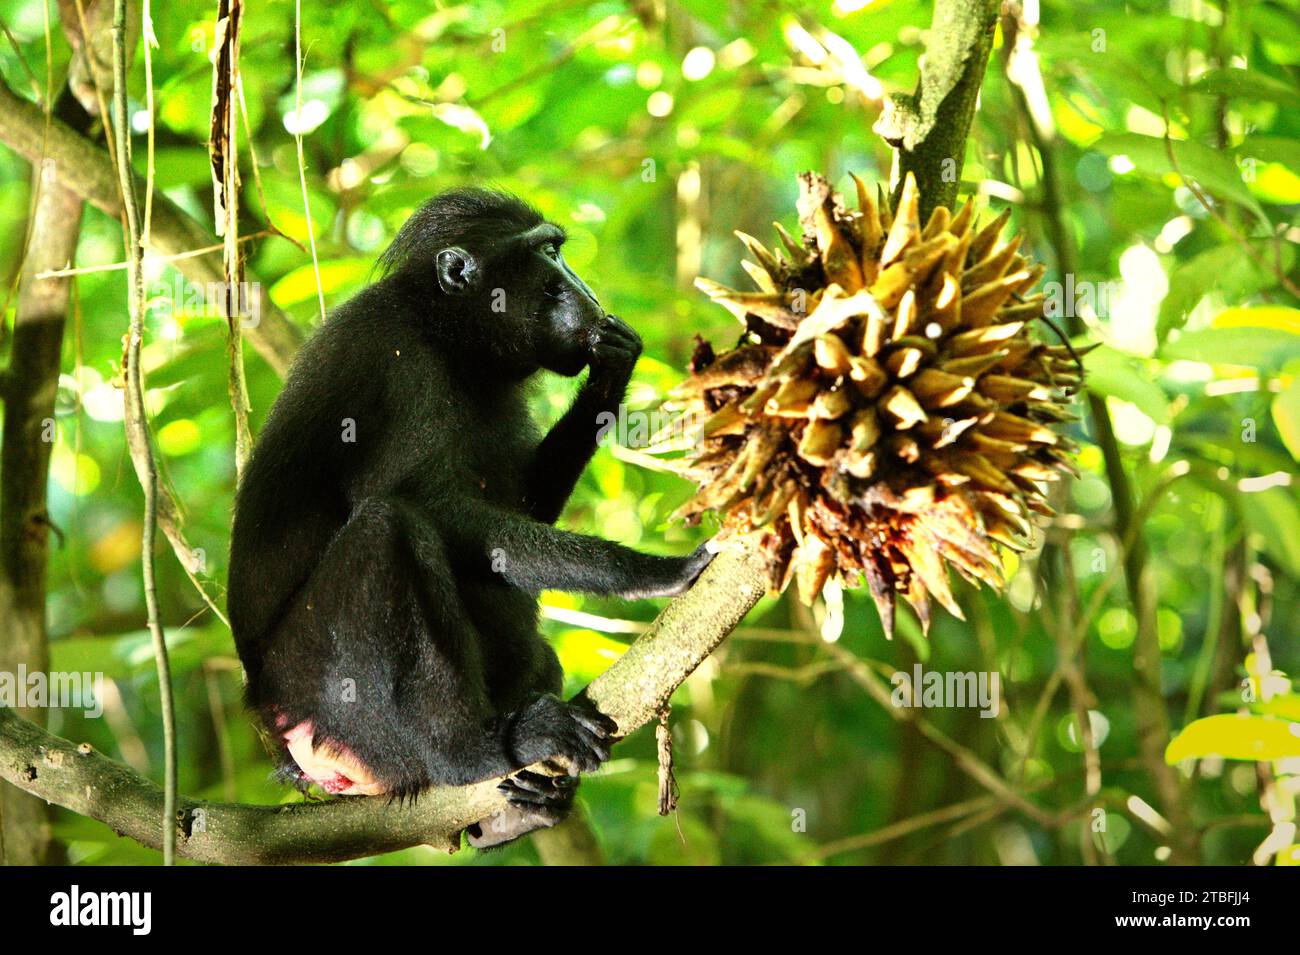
x,y
664,749
223,149
147,38
1215,612
1069,663
217,710
137,428
255,165
860,672
1237,237
175,257
904,827
302,163
803,675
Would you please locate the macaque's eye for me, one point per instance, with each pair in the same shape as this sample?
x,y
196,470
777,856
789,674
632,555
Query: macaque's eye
x,y
552,251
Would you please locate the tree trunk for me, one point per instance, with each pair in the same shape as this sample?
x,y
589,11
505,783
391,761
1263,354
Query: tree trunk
x,y
29,435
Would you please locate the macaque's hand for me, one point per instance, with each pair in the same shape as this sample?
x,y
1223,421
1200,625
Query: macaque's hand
x,y
678,574
614,349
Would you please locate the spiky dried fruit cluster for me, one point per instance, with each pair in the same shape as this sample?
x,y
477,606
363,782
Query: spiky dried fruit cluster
x,y
887,412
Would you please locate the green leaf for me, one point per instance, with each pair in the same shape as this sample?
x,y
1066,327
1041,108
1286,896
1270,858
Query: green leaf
x,y
1246,84
1275,516
177,166
1112,374
1272,149
1286,415
464,118
1236,736
1263,348
130,655
1222,269
1276,184
1210,168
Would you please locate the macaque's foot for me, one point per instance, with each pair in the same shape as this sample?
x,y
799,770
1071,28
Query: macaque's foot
x,y
537,789
574,737
534,801
512,822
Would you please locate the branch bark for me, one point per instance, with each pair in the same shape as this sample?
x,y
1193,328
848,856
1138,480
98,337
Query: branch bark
x,y
84,168
929,128
632,692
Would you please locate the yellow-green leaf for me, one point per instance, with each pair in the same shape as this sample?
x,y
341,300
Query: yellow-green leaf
x,y
586,654
1236,736
338,275
1276,184
1283,706
1286,415
1280,317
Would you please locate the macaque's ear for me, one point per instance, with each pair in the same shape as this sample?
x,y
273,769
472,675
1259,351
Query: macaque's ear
x,y
458,272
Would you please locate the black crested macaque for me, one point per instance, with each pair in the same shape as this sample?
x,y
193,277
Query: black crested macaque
x,y
394,525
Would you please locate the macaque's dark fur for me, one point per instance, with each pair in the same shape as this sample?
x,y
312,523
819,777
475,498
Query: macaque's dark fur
x,y
406,563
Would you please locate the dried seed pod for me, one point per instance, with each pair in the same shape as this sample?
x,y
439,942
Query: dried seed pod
x,y
821,439
832,354
793,399
766,260
901,419
900,407
832,403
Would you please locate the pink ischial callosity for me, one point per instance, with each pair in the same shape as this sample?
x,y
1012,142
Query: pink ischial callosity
x,y
332,767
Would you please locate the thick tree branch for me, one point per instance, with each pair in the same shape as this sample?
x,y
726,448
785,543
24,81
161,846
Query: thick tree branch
x,y
929,127
84,168
632,692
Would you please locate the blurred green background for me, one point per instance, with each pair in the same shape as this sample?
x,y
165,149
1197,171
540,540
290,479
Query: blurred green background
x,y
651,130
